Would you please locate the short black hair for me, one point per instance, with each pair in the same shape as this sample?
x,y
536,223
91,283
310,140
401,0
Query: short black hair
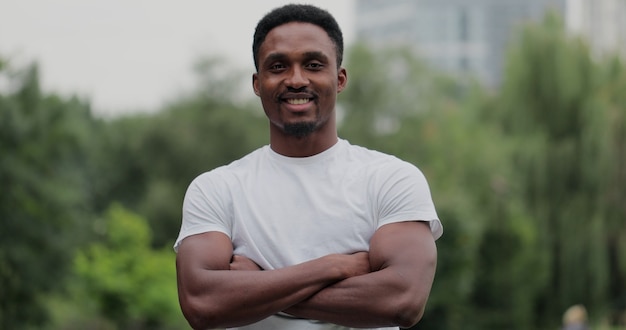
x,y
297,13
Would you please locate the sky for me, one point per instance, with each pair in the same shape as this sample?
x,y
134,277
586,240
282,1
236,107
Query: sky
x,y
132,56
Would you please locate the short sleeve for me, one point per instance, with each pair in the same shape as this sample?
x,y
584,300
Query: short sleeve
x,y
404,195
205,207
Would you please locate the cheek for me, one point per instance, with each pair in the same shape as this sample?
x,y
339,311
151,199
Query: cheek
x,y
329,93
267,88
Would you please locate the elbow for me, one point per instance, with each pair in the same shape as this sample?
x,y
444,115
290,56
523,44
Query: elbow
x,y
408,320
197,320
198,315
197,323
409,313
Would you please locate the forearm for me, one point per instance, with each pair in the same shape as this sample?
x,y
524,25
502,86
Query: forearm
x,y
376,299
403,260
226,298
235,298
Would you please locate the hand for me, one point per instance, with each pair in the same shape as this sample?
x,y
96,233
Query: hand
x,y
243,263
355,264
348,265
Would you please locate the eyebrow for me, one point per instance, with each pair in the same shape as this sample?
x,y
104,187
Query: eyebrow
x,y
274,57
315,55
312,55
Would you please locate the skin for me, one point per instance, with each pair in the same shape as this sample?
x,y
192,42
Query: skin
x,y
298,61
385,286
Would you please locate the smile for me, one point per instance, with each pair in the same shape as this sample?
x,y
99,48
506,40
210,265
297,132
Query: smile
x,y
298,101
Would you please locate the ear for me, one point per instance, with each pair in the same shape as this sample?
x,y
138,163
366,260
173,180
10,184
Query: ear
x,y
255,84
342,79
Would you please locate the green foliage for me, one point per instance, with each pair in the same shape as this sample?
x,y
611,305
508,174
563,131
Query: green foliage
x,y
133,285
384,87
566,117
44,145
155,157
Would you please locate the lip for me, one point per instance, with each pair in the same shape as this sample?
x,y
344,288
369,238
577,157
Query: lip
x,y
297,107
297,96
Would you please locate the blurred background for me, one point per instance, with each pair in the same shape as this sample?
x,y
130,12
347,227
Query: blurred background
x,y
514,109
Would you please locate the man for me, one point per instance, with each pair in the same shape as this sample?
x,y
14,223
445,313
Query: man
x,y
309,232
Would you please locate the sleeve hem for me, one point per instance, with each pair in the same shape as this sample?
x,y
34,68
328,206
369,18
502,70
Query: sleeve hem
x,y
436,227
195,231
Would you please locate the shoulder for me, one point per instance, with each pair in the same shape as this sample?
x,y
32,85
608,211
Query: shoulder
x,y
381,163
225,174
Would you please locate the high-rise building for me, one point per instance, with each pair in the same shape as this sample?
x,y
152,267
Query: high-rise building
x,y
458,36
601,22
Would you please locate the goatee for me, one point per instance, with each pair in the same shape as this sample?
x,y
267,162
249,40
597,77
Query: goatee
x,y
299,130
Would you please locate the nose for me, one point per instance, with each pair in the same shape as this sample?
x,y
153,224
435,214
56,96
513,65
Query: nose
x,y
296,78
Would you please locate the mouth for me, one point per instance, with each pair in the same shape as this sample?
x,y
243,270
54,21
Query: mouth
x,y
298,101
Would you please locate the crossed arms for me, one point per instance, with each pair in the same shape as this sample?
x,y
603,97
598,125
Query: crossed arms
x,y
386,286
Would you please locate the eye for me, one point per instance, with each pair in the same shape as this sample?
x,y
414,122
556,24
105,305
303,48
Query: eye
x,y
315,66
276,67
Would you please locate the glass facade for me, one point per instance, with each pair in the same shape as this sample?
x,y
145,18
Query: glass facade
x,y
458,36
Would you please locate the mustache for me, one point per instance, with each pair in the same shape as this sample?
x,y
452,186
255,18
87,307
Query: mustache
x,y
291,92
297,90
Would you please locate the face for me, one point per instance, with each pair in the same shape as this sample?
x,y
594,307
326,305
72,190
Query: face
x,y
298,80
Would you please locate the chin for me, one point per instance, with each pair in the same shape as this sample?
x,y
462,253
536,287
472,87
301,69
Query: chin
x,y
300,129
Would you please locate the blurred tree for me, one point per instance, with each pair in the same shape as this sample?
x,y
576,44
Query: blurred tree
x,y
133,285
385,86
613,194
566,113
154,157
45,141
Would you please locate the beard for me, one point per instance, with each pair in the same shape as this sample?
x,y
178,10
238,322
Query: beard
x,y
300,130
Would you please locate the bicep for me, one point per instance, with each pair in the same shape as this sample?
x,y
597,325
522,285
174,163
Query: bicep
x,y
408,247
201,252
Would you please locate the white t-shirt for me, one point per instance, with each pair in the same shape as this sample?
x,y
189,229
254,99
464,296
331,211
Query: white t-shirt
x,y
281,211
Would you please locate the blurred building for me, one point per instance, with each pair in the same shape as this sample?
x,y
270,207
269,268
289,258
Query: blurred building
x,y
601,22
472,36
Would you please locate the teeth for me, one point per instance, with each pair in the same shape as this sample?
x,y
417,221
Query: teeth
x,y
297,101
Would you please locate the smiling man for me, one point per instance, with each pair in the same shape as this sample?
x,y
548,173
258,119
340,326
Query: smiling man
x,y
309,232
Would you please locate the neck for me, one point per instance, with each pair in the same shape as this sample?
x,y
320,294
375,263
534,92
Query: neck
x,y
306,146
